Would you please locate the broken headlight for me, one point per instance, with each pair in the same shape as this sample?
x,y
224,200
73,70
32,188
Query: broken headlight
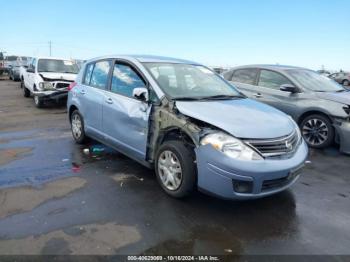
x,y
46,86
230,146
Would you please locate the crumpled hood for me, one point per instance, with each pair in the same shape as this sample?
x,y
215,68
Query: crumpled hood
x,y
342,97
51,76
242,118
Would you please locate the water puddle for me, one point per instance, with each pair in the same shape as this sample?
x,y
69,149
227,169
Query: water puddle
x,y
200,240
12,154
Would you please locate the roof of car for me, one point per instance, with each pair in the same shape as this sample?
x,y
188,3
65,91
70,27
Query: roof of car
x,y
52,58
272,67
147,58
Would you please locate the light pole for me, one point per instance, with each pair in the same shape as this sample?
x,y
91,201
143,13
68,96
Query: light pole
x,y
50,47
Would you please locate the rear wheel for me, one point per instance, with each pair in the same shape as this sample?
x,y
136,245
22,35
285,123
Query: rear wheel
x,y
175,169
77,127
317,131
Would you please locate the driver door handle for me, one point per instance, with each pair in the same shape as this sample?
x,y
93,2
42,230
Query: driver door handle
x,y
83,92
109,100
258,95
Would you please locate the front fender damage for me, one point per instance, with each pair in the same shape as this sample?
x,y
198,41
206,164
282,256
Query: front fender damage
x,y
166,119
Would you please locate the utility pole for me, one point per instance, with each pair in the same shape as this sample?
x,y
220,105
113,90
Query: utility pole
x,y
50,47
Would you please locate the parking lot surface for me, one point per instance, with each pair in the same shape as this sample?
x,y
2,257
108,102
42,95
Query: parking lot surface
x,y
57,199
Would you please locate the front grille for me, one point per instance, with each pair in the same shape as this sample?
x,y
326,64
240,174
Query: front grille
x,y
62,85
276,147
275,183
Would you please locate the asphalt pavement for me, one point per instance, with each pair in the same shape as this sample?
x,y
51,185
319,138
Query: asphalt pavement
x,y
57,199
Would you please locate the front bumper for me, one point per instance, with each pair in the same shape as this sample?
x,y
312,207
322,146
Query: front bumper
x,y
343,131
217,173
52,94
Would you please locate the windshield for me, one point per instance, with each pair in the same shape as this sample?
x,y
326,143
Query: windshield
x,y
185,81
59,66
11,58
314,81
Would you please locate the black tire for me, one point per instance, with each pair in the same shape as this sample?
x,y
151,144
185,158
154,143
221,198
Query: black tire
x,y
81,139
185,156
38,101
26,92
346,82
330,131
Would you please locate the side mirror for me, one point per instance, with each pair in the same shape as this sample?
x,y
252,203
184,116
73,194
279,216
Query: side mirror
x,y
30,70
289,88
141,93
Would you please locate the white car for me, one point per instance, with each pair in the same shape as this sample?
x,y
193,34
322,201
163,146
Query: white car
x,y
48,78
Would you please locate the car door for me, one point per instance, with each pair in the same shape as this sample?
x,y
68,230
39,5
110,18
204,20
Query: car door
x,y
91,95
125,118
268,91
245,80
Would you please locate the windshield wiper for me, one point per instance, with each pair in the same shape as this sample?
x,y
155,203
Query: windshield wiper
x,y
222,97
188,98
215,97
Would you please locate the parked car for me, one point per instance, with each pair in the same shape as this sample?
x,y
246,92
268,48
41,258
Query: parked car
x,y
3,68
48,78
188,123
218,70
324,72
15,70
342,78
318,104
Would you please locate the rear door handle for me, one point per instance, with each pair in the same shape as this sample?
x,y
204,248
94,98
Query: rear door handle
x,y
83,92
109,100
258,95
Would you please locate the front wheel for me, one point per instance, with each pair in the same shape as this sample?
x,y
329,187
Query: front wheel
x,y
175,169
77,127
317,131
26,92
346,83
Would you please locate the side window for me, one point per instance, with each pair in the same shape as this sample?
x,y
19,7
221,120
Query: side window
x,y
99,77
228,75
272,79
33,64
88,73
246,76
125,79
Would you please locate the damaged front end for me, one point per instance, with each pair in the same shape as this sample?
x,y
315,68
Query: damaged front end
x,y
222,171
52,88
167,123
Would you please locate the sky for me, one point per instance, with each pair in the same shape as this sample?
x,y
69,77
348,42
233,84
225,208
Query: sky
x,y
308,33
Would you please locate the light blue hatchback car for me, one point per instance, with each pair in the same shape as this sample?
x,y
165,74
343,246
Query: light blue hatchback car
x,y
189,124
